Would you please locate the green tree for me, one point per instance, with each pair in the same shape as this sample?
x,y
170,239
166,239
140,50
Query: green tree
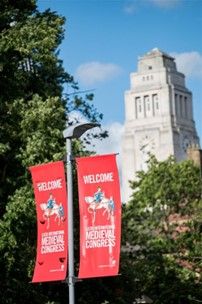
x,y
162,225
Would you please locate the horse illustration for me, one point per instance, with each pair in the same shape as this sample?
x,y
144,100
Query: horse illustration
x,y
56,210
105,203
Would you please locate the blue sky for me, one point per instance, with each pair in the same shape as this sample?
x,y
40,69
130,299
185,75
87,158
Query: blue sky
x,y
104,39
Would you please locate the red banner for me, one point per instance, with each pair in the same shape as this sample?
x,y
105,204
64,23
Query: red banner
x,y
51,206
100,216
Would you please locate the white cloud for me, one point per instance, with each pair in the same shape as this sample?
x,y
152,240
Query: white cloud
x,y
165,3
92,72
75,117
130,7
111,144
189,64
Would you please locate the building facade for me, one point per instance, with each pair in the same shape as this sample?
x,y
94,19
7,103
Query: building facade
x,y
158,116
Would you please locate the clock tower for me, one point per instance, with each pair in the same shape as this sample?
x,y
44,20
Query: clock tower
x,y
158,116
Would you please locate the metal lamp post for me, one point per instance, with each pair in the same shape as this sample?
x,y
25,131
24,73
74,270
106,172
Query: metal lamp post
x,y
74,131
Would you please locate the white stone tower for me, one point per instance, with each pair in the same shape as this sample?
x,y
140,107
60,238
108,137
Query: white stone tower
x,y
158,115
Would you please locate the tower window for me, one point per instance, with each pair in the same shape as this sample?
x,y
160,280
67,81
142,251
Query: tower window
x,y
185,107
148,106
150,67
181,106
155,102
138,107
147,103
176,105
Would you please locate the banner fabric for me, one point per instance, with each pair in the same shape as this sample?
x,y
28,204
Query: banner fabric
x,y
100,216
51,206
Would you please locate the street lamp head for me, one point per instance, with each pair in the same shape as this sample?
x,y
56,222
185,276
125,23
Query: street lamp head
x,y
75,131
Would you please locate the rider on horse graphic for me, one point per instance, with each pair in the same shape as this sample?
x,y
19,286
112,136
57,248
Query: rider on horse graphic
x,y
98,195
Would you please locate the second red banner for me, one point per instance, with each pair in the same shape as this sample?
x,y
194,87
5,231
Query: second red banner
x,y
100,216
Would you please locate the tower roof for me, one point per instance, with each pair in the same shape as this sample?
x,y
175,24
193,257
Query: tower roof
x,y
156,52
154,60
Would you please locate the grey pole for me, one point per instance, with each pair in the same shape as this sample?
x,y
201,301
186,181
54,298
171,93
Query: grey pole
x,y
74,131
70,223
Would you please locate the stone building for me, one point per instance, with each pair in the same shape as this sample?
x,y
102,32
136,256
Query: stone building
x,y
158,116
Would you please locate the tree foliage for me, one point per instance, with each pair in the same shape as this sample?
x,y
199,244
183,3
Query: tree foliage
x,y
162,224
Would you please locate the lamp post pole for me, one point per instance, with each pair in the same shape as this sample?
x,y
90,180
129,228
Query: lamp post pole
x,y
71,132
70,223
